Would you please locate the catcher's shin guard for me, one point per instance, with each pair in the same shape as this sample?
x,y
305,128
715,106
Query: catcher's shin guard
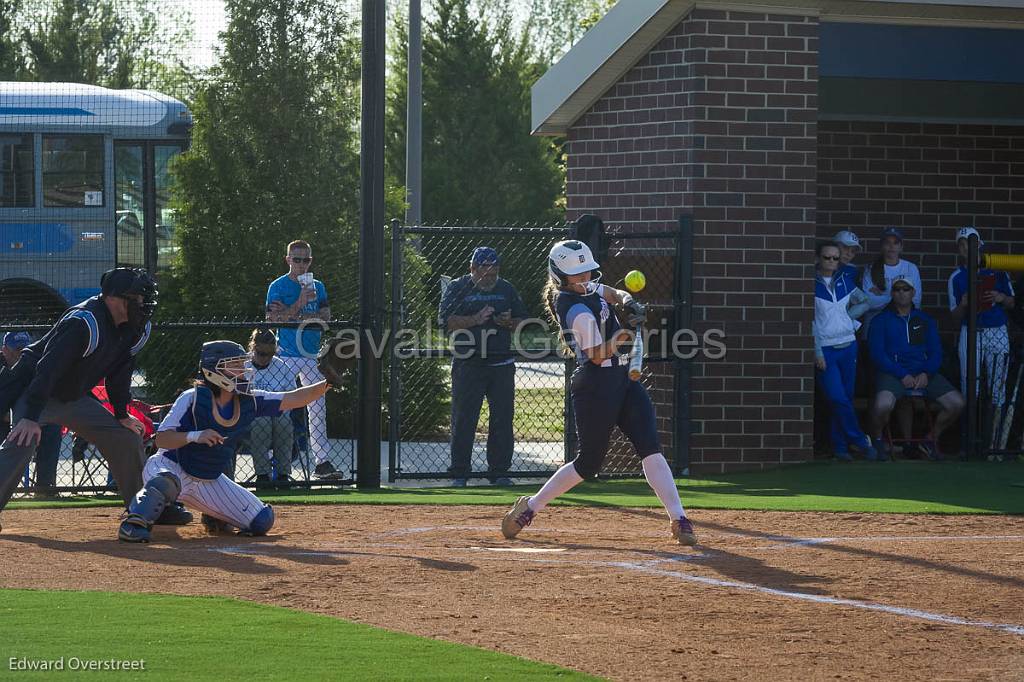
x,y
145,509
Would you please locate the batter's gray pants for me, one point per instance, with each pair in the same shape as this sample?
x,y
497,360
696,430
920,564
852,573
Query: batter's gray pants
x,y
121,447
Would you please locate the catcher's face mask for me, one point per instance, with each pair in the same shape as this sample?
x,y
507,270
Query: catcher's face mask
x,y
231,374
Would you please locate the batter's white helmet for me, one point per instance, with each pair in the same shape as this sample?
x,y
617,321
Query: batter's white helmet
x,y
571,257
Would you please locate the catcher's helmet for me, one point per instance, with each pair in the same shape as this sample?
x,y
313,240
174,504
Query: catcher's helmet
x,y
573,257
215,360
123,281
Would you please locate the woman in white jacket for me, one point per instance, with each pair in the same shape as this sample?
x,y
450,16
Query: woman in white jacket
x,y
835,345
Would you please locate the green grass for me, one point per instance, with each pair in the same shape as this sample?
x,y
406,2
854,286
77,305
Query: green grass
x,y
205,638
897,487
538,415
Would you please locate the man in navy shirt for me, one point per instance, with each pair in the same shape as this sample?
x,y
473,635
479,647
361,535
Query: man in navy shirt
x,y
480,310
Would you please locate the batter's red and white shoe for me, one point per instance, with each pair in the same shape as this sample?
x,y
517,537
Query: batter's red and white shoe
x,y
682,531
518,518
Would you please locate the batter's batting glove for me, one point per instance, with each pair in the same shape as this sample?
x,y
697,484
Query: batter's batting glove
x,y
631,312
336,357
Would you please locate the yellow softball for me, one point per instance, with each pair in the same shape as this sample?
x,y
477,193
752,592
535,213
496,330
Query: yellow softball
x,y
635,281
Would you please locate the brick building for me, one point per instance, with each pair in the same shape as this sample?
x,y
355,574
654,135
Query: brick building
x,y
776,124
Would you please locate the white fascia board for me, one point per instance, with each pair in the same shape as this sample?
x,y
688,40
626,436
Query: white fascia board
x,y
599,59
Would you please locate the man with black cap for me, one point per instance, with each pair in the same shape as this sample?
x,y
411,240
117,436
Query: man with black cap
x,y
51,383
480,310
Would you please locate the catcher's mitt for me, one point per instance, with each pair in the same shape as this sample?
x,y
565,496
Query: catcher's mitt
x,y
335,359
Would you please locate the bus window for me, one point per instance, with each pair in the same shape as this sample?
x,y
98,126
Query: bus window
x,y
17,176
166,220
73,170
129,210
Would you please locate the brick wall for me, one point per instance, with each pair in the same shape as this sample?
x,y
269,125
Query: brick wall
x,y
927,179
719,121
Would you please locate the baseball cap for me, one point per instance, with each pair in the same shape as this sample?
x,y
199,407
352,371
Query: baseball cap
x,y
892,232
965,232
484,255
17,340
846,238
902,279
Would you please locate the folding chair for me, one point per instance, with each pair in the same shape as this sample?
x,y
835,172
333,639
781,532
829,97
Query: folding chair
x,y
920,404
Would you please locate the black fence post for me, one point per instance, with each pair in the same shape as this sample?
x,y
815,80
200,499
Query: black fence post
x,y
394,378
682,295
972,348
589,229
371,245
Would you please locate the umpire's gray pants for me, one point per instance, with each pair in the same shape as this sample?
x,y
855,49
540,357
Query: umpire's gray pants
x,y
120,446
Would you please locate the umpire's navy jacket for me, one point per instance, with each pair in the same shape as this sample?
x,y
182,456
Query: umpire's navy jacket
x,y
84,347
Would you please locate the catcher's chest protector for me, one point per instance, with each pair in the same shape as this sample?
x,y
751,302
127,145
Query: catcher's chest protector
x,y
206,461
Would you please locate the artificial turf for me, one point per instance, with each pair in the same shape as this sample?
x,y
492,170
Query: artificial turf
x,y
209,638
894,487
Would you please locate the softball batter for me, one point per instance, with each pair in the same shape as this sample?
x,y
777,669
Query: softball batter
x,y
197,441
602,393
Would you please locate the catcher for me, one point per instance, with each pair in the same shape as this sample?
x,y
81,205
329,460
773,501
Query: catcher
x,y
197,441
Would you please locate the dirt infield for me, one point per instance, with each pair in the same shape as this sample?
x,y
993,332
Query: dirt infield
x,y
766,595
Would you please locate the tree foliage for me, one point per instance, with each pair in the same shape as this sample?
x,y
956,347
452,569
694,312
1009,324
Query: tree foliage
x,y
480,162
273,158
114,43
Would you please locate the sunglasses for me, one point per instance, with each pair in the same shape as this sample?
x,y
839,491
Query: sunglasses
x,y
263,354
900,290
300,259
830,258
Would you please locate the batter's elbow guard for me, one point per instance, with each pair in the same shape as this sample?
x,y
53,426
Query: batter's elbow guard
x,y
263,522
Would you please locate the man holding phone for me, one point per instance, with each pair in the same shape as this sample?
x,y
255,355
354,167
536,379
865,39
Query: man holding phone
x,y
480,311
296,297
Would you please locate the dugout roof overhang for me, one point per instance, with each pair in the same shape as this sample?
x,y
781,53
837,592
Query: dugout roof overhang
x,y
633,27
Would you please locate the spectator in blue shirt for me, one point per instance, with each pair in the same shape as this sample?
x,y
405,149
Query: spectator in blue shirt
x,y
907,353
296,297
480,310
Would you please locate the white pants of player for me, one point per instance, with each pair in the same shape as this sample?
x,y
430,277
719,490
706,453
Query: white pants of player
x,y
307,370
994,354
220,497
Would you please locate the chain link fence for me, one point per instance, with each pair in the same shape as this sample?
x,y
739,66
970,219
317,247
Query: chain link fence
x,y
446,410
313,446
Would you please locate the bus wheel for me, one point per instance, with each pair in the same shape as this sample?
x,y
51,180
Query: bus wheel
x,y
28,303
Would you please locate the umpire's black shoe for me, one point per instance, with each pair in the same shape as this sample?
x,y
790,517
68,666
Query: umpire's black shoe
x,y
175,515
325,471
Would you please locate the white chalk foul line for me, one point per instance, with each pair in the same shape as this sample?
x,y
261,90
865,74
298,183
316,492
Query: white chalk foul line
x,y
822,599
649,567
808,542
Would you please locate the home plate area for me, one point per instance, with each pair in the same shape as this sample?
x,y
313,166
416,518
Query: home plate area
x,y
603,590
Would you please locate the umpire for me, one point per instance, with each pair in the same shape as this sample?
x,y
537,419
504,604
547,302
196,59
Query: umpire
x,y
96,339
480,310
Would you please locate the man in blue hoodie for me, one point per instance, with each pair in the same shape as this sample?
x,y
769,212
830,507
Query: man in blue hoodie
x,y
907,353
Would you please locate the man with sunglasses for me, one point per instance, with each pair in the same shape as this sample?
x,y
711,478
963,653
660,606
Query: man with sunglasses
x,y
835,348
297,297
907,353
